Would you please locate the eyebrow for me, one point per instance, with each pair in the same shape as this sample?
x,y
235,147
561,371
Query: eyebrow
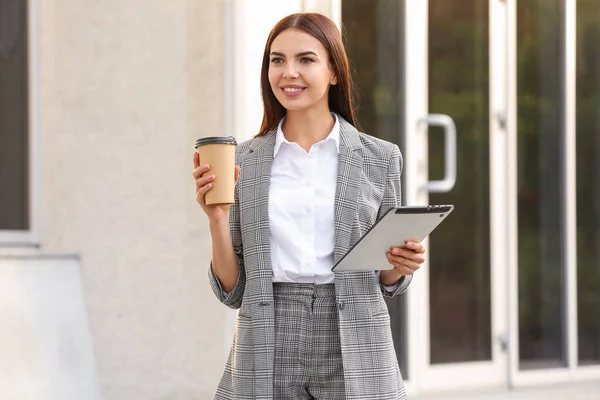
x,y
304,53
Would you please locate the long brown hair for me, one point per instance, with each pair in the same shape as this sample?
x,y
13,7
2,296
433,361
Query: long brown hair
x,y
324,30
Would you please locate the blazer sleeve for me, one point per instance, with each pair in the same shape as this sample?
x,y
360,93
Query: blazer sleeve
x,y
392,197
234,298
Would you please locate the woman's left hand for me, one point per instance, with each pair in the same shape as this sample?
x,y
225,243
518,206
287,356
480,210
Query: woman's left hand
x,y
406,260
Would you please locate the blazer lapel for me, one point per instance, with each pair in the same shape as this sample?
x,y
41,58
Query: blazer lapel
x,y
257,174
348,183
257,169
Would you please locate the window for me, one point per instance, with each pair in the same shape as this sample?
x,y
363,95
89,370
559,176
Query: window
x,y
588,180
540,111
374,41
14,117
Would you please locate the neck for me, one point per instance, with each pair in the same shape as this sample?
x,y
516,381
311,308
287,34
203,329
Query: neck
x,y
308,127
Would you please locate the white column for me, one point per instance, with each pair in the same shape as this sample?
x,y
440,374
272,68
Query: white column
x,y
416,175
498,184
569,48
330,8
511,193
252,22
248,24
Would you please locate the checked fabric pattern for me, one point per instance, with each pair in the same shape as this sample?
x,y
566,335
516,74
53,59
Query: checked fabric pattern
x,y
368,185
308,357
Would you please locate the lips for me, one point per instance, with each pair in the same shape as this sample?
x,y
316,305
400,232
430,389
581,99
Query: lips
x,y
292,91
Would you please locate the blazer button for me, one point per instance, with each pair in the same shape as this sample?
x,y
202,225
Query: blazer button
x,y
341,305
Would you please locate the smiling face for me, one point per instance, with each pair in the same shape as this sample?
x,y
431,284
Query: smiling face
x,y
299,71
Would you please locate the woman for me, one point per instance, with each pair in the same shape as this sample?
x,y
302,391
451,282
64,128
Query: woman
x,y
309,186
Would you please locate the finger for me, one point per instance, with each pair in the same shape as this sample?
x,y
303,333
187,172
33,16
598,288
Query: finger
x,y
415,246
200,198
200,182
409,254
413,265
202,192
237,173
402,252
403,270
196,160
418,258
199,171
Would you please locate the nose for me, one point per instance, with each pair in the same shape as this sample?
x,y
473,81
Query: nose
x,y
290,71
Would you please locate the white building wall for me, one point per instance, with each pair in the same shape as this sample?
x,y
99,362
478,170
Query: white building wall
x,y
121,91
126,88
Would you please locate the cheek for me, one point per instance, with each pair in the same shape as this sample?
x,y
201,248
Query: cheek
x,y
320,79
322,83
274,76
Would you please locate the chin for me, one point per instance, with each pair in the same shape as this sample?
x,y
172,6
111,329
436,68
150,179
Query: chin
x,y
293,105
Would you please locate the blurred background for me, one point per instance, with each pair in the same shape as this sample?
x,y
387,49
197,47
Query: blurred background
x,y
495,105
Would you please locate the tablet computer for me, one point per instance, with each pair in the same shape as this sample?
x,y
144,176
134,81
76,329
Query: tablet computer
x,y
392,230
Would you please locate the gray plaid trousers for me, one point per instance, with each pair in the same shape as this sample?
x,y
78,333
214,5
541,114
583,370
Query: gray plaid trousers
x,y
308,355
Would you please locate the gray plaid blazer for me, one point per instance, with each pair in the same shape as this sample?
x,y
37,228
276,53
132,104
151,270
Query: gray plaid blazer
x,y
368,185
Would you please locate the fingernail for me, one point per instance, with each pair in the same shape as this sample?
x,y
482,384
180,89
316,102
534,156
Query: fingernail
x,y
410,245
206,166
396,251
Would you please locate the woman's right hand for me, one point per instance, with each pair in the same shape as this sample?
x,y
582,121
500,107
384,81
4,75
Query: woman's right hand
x,y
217,212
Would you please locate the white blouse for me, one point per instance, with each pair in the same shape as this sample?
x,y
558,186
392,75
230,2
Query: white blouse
x,y
301,209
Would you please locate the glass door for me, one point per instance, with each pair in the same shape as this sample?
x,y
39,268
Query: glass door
x,y
375,41
431,77
494,104
455,113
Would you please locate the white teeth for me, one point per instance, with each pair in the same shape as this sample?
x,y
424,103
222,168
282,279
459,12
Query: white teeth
x,y
292,90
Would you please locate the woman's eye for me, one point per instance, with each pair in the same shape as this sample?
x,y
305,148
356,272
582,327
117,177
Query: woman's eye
x,y
306,60
277,60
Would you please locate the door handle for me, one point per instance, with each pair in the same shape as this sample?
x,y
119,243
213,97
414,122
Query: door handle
x,y
447,184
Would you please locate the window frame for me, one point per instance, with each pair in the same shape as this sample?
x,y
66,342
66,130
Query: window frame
x,y
31,236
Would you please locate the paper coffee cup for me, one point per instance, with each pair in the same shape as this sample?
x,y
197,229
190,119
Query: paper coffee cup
x,y
219,153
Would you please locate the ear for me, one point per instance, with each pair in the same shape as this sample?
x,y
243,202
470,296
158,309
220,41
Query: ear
x,y
333,81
